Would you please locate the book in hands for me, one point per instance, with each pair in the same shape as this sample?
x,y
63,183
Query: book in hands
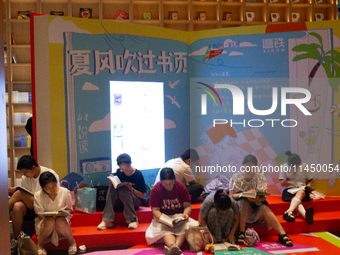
x,y
253,195
116,181
24,189
226,247
60,213
171,222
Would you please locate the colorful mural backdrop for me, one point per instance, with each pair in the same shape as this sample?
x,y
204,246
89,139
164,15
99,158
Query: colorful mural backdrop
x,y
227,95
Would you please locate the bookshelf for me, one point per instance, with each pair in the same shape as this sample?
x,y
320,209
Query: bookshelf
x,y
18,75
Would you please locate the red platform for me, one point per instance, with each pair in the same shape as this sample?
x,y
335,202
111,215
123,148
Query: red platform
x,y
84,226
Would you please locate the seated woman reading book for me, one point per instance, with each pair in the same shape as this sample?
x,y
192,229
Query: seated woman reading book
x,y
220,214
254,210
52,198
171,198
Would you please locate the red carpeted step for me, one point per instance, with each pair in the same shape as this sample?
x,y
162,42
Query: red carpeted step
x,y
84,226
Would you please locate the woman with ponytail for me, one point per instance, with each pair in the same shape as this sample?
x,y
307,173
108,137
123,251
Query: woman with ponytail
x,y
220,214
254,211
295,175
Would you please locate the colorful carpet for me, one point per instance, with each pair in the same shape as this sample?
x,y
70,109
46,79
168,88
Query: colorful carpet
x,y
311,243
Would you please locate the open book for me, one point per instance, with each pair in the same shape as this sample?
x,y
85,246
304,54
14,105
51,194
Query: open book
x,y
253,195
116,181
226,247
60,213
24,189
171,222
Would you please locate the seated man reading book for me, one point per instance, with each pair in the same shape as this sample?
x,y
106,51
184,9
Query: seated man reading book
x,y
21,201
254,210
171,207
126,191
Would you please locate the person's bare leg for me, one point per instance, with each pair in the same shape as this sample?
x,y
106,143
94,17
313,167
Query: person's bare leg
x,y
169,240
21,196
180,240
63,228
272,221
46,229
18,212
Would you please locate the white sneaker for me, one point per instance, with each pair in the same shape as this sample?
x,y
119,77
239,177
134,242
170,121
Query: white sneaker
x,y
105,224
133,225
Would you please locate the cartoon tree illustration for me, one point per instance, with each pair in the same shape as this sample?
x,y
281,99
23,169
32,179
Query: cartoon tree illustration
x,y
329,60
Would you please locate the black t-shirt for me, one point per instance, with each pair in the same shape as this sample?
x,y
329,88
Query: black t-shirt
x,y
137,178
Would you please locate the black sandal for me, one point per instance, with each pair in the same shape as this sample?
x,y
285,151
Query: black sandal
x,y
241,236
288,216
284,240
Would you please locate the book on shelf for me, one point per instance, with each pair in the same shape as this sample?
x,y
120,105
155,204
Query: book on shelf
x,y
275,16
228,16
226,247
23,14
5,57
116,181
85,13
14,58
12,39
250,16
22,97
171,222
20,118
173,15
201,15
273,1
22,141
253,195
121,15
24,189
319,16
146,15
57,13
60,213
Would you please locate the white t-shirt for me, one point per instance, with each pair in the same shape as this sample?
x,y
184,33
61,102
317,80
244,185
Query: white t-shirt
x,y
182,171
302,176
32,184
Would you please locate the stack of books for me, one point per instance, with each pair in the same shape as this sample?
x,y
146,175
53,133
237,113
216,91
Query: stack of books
x,y
22,97
20,118
22,141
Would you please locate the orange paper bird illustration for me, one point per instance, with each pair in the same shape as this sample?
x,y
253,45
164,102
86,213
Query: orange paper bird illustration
x,y
172,85
173,101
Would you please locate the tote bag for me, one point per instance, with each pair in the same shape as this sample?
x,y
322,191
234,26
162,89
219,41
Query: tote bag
x,y
86,200
26,246
198,238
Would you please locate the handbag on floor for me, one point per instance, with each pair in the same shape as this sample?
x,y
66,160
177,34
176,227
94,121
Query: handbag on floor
x,y
197,238
26,246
